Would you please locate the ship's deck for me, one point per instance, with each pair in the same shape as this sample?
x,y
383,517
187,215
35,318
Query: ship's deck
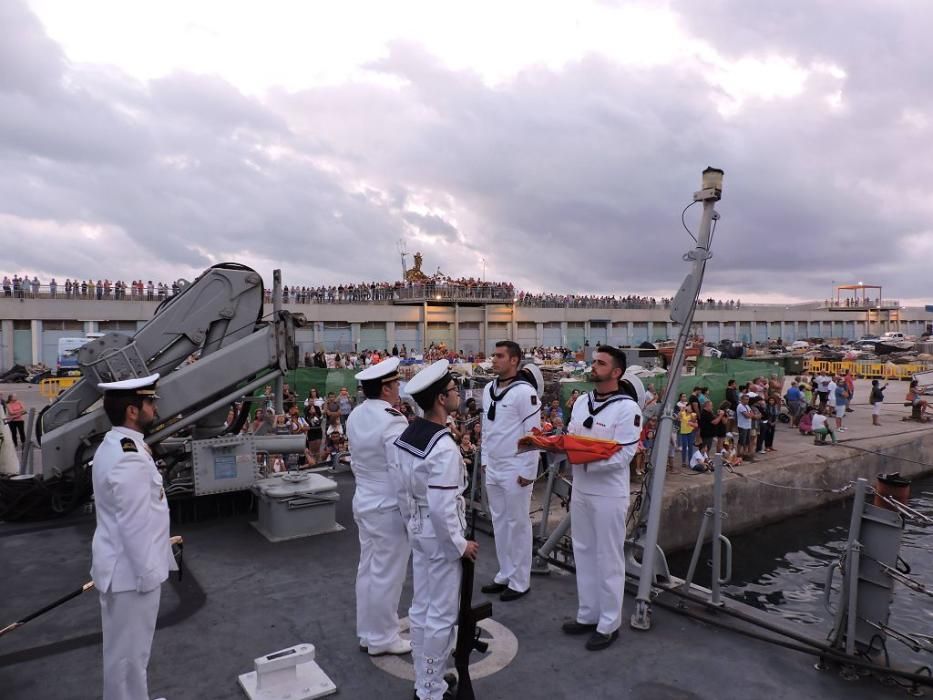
x,y
243,597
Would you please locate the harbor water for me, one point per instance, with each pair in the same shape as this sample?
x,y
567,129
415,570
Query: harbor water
x,y
781,569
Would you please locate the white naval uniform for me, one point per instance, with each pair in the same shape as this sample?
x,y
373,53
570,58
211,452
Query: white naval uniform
x,y
372,429
131,558
432,477
598,508
517,411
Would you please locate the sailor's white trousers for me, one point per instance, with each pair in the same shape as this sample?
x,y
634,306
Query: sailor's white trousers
x,y
384,552
433,614
128,621
597,528
509,506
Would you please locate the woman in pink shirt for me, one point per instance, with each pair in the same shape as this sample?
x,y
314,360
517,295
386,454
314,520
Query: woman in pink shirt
x,y
15,416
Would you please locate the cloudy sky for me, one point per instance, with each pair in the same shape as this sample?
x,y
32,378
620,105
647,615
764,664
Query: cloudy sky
x,y
559,141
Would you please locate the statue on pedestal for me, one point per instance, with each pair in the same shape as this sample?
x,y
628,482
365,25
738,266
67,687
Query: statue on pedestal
x,y
415,274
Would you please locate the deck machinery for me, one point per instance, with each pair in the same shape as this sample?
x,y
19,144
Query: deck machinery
x,y
213,348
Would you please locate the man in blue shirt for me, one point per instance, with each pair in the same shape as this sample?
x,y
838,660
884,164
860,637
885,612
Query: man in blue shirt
x,y
795,402
842,401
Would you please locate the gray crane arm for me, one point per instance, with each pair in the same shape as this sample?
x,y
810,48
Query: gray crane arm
x,y
218,317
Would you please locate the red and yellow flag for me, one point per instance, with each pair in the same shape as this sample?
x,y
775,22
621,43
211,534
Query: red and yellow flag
x,y
578,448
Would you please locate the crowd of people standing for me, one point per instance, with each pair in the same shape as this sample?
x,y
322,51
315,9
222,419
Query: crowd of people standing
x,y
22,286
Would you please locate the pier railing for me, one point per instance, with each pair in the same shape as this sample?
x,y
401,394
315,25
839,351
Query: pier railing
x,y
425,293
84,293
455,293
860,304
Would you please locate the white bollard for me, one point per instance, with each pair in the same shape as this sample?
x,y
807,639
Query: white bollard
x,y
288,674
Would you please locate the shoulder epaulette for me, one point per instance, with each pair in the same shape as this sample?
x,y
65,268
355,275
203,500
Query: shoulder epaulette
x,y
128,445
393,412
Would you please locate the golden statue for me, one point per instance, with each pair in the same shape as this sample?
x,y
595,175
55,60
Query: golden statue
x,y
415,274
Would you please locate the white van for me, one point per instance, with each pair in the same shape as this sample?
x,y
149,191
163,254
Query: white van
x,y
68,353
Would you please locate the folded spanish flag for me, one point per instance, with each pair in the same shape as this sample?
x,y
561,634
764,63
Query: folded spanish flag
x,y
578,448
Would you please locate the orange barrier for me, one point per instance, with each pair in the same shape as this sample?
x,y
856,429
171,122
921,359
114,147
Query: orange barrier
x,y
868,369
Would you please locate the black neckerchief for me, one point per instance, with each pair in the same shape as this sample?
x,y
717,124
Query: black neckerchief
x,y
594,410
513,382
421,436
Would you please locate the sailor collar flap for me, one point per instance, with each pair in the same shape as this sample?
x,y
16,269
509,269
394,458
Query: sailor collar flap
x,y
495,398
421,437
594,410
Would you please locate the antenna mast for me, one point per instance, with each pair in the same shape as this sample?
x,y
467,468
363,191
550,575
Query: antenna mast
x,y
403,253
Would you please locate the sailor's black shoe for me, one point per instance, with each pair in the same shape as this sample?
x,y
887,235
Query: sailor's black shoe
x,y
511,594
574,627
494,587
599,641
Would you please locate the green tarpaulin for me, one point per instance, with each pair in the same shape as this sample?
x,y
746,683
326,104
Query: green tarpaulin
x,y
710,372
324,380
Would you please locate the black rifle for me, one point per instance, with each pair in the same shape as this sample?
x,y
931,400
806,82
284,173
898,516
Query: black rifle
x,y
467,628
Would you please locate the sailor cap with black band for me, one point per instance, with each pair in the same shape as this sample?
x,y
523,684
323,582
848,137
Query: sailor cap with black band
x,y
379,374
533,375
435,376
143,387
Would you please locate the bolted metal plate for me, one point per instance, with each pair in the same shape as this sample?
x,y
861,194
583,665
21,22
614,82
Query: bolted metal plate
x,y
224,464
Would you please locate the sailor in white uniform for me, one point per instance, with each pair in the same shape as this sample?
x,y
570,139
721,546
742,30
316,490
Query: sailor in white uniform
x,y
511,408
432,477
132,554
599,505
372,429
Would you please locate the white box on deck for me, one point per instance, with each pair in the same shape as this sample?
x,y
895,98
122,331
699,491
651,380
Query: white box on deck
x,y
296,505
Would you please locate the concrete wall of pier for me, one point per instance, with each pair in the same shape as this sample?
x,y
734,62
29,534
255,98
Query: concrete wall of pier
x,y
29,328
800,481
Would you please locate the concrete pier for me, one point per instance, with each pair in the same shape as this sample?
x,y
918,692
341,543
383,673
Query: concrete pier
x,y
800,476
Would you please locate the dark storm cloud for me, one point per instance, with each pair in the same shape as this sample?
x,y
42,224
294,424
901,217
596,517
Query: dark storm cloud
x,y
186,166
579,176
570,179
432,225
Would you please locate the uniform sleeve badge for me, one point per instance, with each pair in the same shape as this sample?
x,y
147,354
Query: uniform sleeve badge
x,y
637,420
128,445
534,400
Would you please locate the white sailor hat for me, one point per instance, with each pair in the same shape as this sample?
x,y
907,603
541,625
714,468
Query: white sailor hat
x,y
428,377
385,371
533,372
138,386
